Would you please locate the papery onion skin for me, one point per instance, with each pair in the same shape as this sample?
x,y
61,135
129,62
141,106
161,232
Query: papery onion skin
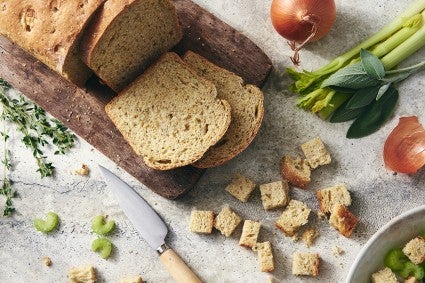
x,y
288,18
404,149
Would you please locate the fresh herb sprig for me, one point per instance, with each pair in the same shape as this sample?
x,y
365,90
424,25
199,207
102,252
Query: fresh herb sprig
x,y
373,93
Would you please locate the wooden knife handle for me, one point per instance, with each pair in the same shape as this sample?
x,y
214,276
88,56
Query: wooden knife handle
x,y
180,272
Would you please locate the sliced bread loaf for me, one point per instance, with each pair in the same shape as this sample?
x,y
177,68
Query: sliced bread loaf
x,y
170,115
126,36
50,31
246,102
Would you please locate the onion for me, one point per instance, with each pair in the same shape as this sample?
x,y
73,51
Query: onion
x,y
302,21
404,149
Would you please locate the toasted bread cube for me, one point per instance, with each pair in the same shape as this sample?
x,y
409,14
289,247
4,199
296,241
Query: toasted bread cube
x,y
134,279
265,256
305,264
316,153
328,197
293,217
343,220
384,276
411,279
201,221
415,250
241,187
309,236
250,231
84,274
275,194
296,171
227,221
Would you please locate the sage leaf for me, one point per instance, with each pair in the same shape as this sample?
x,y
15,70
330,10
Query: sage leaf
x,y
382,90
344,114
352,76
374,116
363,97
372,65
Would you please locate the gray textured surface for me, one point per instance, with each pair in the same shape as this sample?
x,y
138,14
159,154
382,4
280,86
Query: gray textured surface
x,y
378,194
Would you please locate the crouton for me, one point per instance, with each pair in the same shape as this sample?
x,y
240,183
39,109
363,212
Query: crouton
x,y
316,153
296,171
328,197
343,220
134,279
275,194
305,264
293,217
227,221
250,231
265,256
201,221
84,274
415,250
384,276
309,236
241,187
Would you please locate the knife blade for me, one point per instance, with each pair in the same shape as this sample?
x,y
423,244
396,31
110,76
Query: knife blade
x,y
149,225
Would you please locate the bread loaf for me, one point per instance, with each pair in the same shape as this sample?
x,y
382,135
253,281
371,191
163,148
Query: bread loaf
x,y
169,115
126,36
246,102
50,31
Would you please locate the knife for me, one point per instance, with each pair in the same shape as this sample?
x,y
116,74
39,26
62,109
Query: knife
x,y
150,226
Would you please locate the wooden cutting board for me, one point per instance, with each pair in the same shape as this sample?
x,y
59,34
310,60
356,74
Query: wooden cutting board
x,y
82,110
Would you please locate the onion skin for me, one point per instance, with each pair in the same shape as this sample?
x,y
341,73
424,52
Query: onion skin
x,y
404,149
289,18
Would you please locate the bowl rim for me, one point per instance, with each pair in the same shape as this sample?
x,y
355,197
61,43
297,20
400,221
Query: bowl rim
x,y
377,234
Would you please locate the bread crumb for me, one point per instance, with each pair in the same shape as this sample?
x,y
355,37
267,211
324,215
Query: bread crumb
x,y
201,221
265,256
293,217
83,171
415,250
384,276
343,220
47,261
296,171
275,194
305,264
316,153
250,232
240,187
309,236
337,251
227,221
84,274
133,279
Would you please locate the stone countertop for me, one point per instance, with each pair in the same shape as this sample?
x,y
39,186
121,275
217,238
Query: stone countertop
x,y
378,194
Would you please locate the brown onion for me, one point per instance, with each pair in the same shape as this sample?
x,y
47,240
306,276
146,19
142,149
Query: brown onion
x,y
404,149
302,21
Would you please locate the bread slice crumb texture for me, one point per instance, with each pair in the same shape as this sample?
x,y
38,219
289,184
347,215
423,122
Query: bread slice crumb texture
x,y
246,102
169,115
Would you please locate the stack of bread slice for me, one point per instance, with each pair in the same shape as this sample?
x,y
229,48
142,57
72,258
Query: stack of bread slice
x,y
172,111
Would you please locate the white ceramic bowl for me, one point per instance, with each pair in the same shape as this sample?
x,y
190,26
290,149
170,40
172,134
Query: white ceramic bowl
x,y
395,233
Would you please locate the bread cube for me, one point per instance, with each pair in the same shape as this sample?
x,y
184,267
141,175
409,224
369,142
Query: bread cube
x,y
384,276
293,217
201,221
309,236
328,197
411,279
227,221
134,279
84,274
265,256
316,153
241,187
343,220
415,250
275,194
250,231
296,171
305,264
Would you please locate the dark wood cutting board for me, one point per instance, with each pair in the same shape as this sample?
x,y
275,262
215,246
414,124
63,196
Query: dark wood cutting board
x,y
82,110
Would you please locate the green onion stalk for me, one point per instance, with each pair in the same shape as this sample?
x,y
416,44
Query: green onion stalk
x,y
392,44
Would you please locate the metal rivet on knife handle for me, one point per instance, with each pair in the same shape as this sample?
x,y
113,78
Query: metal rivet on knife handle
x,y
180,272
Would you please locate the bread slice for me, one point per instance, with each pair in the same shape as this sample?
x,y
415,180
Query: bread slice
x,y
169,115
246,102
126,36
50,31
